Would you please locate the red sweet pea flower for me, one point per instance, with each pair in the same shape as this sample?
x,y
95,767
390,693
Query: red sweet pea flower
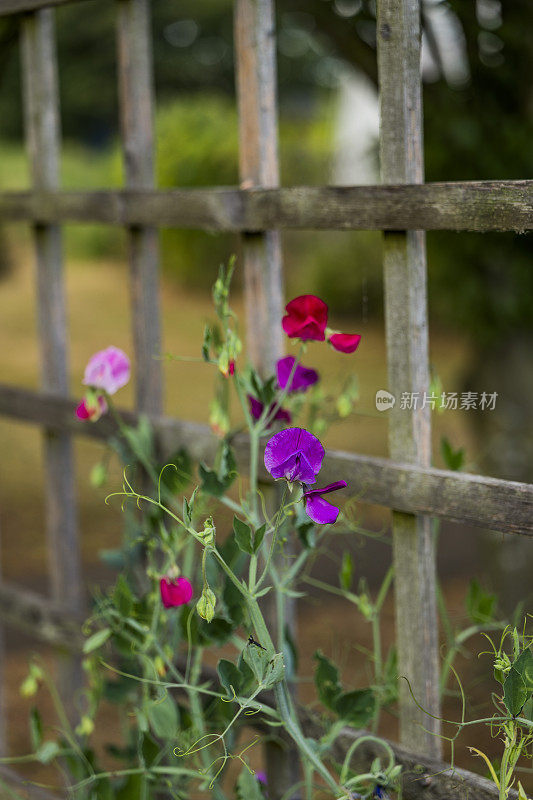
x,y
91,408
175,591
306,318
345,342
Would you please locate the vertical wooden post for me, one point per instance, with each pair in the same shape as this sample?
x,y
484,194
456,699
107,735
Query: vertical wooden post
x,y
255,57
3,679
398,37
136,117
41,109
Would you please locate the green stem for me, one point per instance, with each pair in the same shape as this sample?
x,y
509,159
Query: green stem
x,y
274,539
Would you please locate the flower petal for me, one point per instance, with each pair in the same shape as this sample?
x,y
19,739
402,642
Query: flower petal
x,y
108,370
284,448
320,511
303,376
345,342
332,487
175,592
306,318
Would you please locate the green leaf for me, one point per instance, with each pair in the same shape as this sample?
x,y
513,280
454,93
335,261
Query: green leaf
x,y
163,718
98,475
515,692
206,344
257,659
454,459
178,472
243,535
96,640
248,787
524,666
229,676
480,605
123,596
327,681
259,536
210,482
36,728
356,707
345,575
275,671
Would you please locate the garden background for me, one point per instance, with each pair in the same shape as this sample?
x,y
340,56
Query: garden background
x,y
478,120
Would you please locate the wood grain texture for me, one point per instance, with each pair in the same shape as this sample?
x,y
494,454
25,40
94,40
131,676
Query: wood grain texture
x,y
470,206
23,6
136,117
41,113
255,66
498,505
404,270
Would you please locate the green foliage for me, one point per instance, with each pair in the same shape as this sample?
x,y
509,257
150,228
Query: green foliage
x,y
453,459
518,685
248,787
480,605
355,707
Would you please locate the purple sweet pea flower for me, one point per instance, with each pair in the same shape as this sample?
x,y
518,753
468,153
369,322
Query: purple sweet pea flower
x,y
294,454
261,777
256,409
108,370
320,510
301,380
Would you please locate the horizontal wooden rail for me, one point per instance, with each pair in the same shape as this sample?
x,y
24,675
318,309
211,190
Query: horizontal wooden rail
x,y
470,206
423,778
471,499
23,6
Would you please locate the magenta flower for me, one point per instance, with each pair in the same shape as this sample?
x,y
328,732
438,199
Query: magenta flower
x,y
175,591
108,370
261,777
318,509
301,380
345,342
91,408
306,318
294,454
256,409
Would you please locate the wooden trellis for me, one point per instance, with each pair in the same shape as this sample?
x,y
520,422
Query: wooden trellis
x,y
404,207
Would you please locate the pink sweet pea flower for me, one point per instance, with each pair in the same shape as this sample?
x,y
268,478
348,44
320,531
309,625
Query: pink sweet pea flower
x,y
318,509
91,408
256,409
306,318
301,380
108,370
175,591
344,342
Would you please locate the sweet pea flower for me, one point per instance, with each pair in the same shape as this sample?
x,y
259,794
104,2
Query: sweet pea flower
x,y
91,408
303,377
175,591
306,318
344,342
108,369
256,409
318,509
294,454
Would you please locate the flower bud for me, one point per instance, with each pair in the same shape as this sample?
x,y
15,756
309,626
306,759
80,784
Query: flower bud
x,y
206,604
208,534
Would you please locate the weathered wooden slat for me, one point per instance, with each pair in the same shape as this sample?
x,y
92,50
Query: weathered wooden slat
x,y
404,270
471,499
255,65
136,117
468,206
23,6
41,110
